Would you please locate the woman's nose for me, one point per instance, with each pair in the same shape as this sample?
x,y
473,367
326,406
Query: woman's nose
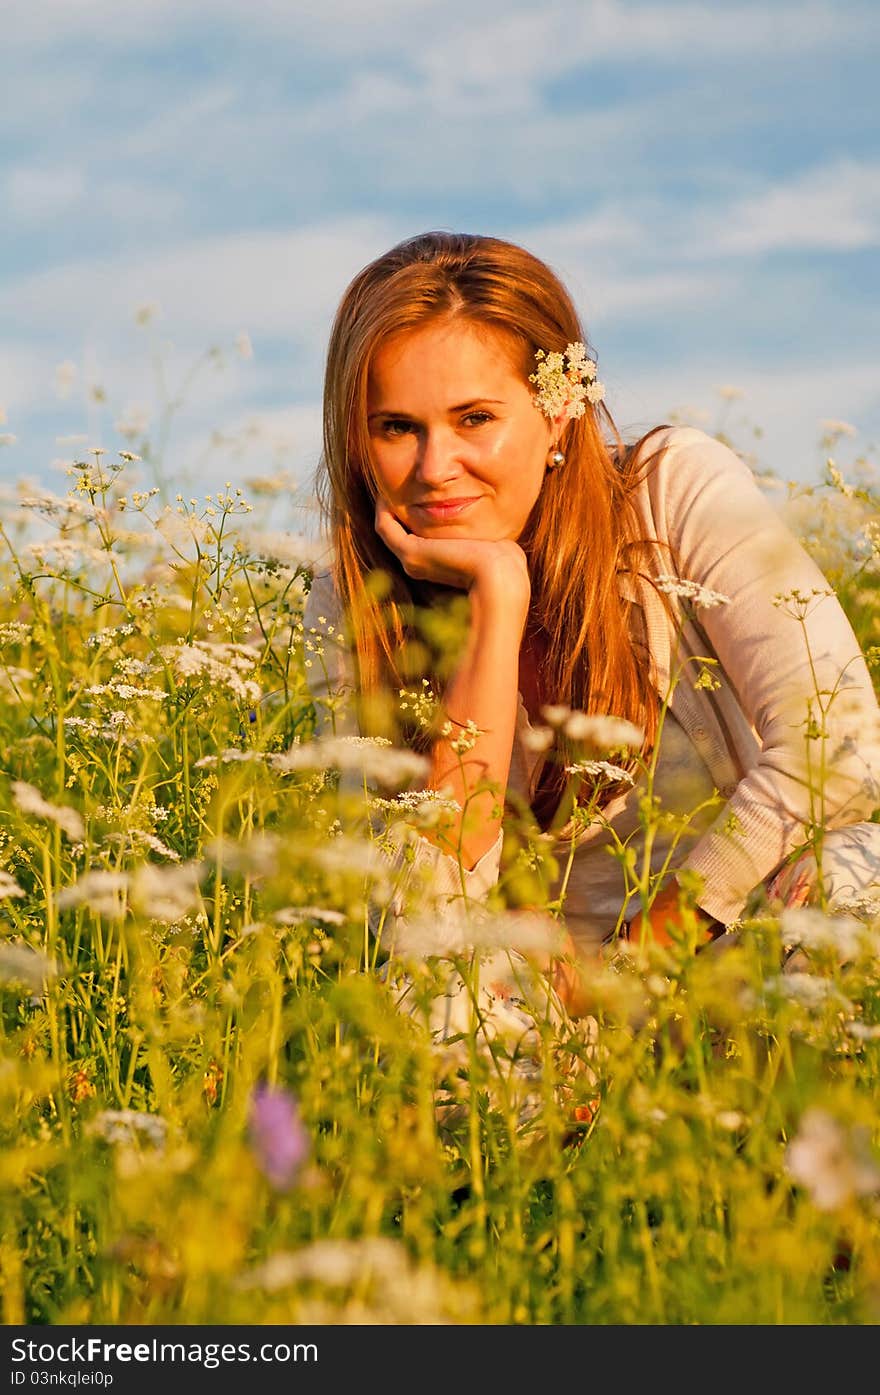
x,y
438,457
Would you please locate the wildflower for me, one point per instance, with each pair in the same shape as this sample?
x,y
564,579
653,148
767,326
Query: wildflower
x,y
427,806
607,733
372,757
211,1081
690,591
29,800
165,893
600,767
295,915
226,665
831,1160
833,427
422,937
278,1137
537,738
565,382
284,549
243,345
21,964
730,394
102,891
14,632
80,1085
8,885
809,990
143,836
730,1119
555,714
129,1126
809,928
863,1031
64,376
470,734
255,857
336,1263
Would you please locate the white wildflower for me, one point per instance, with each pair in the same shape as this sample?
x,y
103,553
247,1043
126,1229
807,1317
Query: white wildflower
x,y
866,905
285,549
537,738
157,893
14,632
565,382
863,1031
832,426
8,885
809,990
555,714
811,929
478,930
166,893
426,806
149,840
64,552
226,665
129,1126
831,1160
336,1263
730,1119
601,767
295,915
257,856
104,893
20,964
373,758
127,691
231,756
606,733
692,591
29,800
468,735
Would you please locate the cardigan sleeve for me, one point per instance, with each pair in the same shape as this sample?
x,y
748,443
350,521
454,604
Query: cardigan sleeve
x,y
791,656
416,862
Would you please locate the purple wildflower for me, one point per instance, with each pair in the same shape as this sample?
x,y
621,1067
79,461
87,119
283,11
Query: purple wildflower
x,y
278,1136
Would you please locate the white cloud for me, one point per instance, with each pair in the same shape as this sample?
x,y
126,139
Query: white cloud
x,y
282,284
831,207
42,193
787,403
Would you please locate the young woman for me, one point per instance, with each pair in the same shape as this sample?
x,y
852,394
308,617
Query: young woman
x,y
468,452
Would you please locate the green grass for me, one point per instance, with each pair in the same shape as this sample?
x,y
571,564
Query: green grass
x,y
182,936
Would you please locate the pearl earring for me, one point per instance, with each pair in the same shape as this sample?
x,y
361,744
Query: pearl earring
x,y
555,458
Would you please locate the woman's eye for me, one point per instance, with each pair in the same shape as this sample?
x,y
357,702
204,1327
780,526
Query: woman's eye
x,y
398,427
478,418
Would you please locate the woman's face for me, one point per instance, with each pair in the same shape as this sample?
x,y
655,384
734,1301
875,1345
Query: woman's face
x,y
459,448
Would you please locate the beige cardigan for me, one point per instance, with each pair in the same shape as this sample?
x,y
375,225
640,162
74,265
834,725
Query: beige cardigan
x,y
723,534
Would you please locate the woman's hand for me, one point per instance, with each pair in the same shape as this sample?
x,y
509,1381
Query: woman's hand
x,y
669,920
458,562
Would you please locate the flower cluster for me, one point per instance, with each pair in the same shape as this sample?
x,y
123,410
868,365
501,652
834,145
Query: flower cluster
x,y
566,382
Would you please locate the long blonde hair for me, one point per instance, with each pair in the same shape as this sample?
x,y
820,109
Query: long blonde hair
x,y
582,531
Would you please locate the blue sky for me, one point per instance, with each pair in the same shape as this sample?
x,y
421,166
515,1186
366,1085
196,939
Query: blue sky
x,y
705,178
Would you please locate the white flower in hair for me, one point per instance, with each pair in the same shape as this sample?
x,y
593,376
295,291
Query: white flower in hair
x,y
566,382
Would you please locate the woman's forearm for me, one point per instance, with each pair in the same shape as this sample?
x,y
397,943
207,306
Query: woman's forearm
x,y
483,690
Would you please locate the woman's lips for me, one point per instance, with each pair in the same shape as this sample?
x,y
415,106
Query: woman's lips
x,y
449,508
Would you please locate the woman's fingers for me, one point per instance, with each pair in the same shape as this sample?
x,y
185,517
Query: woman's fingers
x,y
391,530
